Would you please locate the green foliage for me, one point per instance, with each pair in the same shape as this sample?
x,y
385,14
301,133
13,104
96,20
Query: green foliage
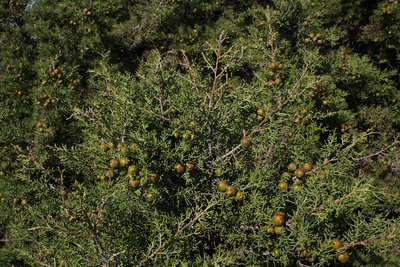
x,y
120,119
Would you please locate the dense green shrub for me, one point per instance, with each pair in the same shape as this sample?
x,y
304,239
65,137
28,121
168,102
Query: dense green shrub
x,y
148,133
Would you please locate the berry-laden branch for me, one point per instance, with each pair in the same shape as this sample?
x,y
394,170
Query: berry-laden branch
x,y
238,148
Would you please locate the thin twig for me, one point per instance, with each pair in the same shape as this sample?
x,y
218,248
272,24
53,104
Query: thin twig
x,y
232,151
379,152
160,4
90,114
95,237
357,243
98,245
187,64
115,255
124,132
271,41
215,72
79,246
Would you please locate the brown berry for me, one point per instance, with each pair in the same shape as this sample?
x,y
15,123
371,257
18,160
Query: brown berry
x,y
133,147
132,169
134,183
270,230
240,195
278,230
231,191
299,172
245,142
179,168
154,177
279,219
110,173
189,166
336,243
114,163
307,166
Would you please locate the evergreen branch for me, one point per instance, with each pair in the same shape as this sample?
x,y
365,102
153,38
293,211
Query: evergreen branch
x,y
217,73
154,114
347,148
95,237
180,230
124,131
207,61
39,166
256,129
271,41
215,79
358,243
90,115
231,152
195,219
191,72
98,245
45,248
210,137
161,108
397,142
160,4
111,258
357,191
